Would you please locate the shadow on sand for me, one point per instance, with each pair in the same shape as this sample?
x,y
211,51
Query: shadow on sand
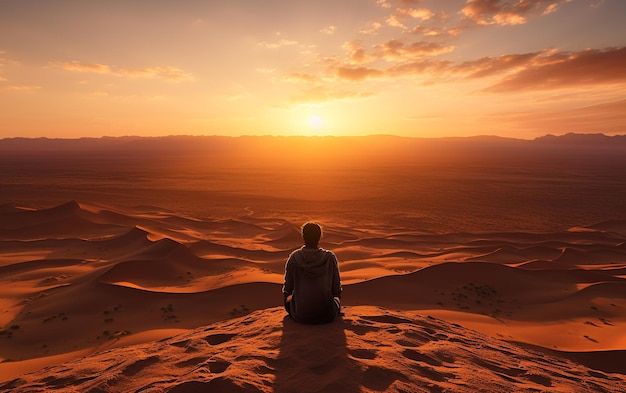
x,y
314,358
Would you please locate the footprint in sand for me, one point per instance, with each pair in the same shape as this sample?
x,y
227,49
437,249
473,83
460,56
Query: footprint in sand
x,y
539,379
216,339
190,362
386,319
180,344
512,372
420,357
219,384
137,366
187,344
363,354
360,329
379,379
432,374
420,337
218,366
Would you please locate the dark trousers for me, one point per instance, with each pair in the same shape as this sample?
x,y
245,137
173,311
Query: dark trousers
x,y
334,309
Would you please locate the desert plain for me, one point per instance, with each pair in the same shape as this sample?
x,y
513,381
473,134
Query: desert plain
x,y
468,264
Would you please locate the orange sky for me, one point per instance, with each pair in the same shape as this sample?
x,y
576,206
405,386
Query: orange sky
x,y
424,68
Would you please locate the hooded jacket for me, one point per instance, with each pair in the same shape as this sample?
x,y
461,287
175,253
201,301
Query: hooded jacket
x,y
312,278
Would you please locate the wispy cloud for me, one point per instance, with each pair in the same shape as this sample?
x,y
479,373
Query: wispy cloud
x,y
402,15
329,30
277,43
23,88
156,72
358,74
507,12
321,94
382,52
356,53
542,70
160,72
561,70
395,50
388,3
83,67
372,28
302,78
392,51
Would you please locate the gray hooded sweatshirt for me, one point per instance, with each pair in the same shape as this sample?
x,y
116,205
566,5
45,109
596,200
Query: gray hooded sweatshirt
x,y
312,277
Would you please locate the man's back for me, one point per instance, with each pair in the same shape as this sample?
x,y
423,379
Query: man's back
x,y
312,283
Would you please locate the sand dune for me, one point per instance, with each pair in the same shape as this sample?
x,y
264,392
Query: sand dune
x,y
82,277
370,349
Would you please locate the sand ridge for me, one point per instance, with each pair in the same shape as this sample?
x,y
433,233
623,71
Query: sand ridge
x,y
369,349
84,276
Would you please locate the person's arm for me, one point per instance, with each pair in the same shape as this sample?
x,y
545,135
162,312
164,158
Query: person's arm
x,y
336,279
288,282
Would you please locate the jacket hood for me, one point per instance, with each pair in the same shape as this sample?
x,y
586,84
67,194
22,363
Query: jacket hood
x,y
313,261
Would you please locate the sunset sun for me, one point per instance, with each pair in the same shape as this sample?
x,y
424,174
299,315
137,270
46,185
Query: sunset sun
x,y
315,122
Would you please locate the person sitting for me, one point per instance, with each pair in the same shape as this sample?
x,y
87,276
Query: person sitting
x,y
312,287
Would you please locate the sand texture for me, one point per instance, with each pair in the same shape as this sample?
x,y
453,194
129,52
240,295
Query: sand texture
x,y
142,266
370,349
78,279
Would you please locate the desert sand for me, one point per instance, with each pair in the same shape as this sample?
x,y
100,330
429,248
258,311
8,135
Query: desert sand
x,y
139,269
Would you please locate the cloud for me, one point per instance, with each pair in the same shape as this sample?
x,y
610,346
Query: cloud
x,y
321,94
277,44
330,30
391,51
156,72
395,50
416,13
398,18
23,88
387,3
425,67
356,53
542,70
358,74
300,77
437,31
83,67
488,66
372,28
507,12
395,21
262,70
375,59
561,70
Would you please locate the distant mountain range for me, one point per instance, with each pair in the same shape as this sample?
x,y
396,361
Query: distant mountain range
x,y
583,139
185,142
361,151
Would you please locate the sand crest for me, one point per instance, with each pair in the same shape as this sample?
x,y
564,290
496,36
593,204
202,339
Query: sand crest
x,y
370,349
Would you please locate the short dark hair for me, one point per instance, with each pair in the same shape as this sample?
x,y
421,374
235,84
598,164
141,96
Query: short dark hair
x,y
311,233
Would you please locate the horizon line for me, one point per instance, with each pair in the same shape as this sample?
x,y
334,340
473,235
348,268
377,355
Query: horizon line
x,y
330,136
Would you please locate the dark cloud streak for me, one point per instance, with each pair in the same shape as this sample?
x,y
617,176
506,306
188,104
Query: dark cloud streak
x,y
569,70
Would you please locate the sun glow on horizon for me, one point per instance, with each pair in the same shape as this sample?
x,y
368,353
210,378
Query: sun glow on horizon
x,y
300,68
316,122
